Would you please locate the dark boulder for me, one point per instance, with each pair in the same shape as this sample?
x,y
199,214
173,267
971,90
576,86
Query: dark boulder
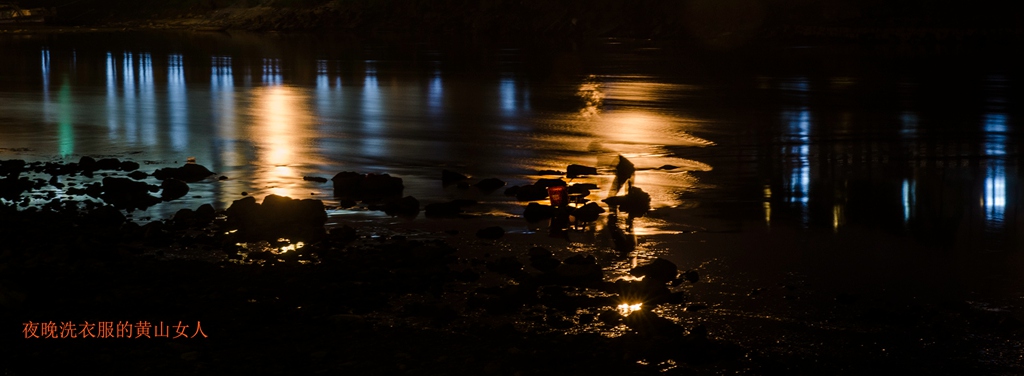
x,y
536,212
189,173
317,179
108,164
172,189
278,217
511,191
531,193
128,166
588,213
549,172
87,163
128,194
660,271
407,206
575,171
206,213
369,187
12,168
450,177
543,260
637,202
490,185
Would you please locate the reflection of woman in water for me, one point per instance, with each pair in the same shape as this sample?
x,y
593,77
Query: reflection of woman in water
x,y
636,202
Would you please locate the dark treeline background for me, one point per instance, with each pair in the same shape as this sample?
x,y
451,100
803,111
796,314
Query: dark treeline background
x,y
716,22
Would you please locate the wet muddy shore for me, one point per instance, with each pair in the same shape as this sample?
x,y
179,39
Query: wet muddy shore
x,y
277,291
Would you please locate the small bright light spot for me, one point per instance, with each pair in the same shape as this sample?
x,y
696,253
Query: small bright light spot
x,y
625,309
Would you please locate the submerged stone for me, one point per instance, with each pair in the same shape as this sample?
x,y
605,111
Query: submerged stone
x,y
172,189
575,170
451,177
490,185
188,173
278,217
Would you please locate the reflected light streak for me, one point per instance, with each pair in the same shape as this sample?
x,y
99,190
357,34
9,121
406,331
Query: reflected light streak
x,y
799,148
221,77
222,101
767,205
435,93
131,127
909,199
908,122
111,96
177,102
281,124
271,71
507,92
146,101
65,114
45,62
994,199
372,114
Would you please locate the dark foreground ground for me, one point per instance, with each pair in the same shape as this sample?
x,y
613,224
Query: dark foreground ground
x,y
360,300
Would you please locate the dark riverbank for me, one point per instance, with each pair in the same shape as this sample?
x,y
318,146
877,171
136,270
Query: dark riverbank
x,y
716,25
414,299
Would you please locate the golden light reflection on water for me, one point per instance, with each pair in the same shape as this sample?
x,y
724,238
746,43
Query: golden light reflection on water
x,y
283,128
617,119
627,308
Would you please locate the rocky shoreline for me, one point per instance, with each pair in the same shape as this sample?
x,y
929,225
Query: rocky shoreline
x,y
327,295
278,291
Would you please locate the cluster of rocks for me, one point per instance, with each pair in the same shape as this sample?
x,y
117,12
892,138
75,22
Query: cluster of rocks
x,y
126,193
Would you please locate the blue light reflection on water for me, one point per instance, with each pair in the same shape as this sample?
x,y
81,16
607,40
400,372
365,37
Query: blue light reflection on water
x,y
177,102
112,124
372,114
435,93
994,199
272,72
147,101
797,150
129,97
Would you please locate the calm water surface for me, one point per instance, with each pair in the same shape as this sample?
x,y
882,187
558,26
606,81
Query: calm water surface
x,y
801,138
873,170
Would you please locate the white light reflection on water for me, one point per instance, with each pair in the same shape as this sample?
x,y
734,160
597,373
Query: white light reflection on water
x,y
111,97
372,114
909,199
797,151
128,93
994,200
507,91
326,96
271,71
177,101
435,93
146,100
222,105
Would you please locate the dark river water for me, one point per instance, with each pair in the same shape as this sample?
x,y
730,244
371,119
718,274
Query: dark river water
x,y
879,168
926,147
